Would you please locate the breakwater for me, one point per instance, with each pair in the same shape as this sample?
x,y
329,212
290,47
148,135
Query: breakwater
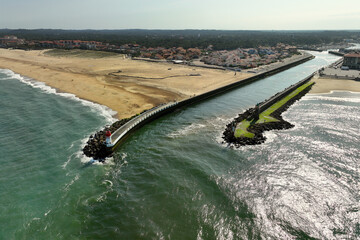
x,y
96,148
310,49
341,54
247,128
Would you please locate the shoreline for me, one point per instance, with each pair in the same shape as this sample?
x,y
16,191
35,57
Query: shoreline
x,y
129,87
125,86
333,91
328,85
108,113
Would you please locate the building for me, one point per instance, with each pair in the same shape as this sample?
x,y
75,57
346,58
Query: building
x,y
352,60
11,41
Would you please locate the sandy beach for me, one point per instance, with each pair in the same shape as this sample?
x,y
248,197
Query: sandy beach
x,y
129,86
326,85
124,85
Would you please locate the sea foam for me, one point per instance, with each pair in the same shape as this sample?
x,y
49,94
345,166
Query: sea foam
x,y
102,110
330,97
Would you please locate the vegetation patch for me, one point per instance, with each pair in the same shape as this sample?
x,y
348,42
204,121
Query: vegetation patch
x,y
79,53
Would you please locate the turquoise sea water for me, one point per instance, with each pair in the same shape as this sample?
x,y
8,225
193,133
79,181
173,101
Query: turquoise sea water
x,y
41,163
174,179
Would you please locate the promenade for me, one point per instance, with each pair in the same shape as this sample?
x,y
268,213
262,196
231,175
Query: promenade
x,y
139,121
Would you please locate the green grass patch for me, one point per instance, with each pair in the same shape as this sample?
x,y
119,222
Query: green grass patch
x,y
241,130
264,117
79,53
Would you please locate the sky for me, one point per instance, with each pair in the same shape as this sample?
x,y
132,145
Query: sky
x,y
181,14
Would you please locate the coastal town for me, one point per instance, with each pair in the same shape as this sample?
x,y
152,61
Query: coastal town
x,y
250,57
237,59
255,59
240,58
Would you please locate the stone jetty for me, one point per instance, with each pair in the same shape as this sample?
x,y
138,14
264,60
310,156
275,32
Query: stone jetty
x,y
257,129
95,146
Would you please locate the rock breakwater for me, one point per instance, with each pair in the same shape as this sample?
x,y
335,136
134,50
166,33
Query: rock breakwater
x,y
95,146
258,128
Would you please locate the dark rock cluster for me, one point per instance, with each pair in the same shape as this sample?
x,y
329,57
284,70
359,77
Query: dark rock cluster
x,y
95,146
258,129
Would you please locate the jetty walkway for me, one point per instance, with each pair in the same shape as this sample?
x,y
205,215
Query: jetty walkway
x,y
139,121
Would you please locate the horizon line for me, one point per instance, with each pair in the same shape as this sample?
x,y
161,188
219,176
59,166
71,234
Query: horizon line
x,y
184,29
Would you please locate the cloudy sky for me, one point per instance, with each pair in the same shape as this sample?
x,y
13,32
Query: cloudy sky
x,y
181,14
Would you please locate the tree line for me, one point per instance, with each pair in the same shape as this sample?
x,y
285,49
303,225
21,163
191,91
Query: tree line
x,y
219,39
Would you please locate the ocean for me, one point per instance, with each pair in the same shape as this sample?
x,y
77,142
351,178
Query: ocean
x,y
174,178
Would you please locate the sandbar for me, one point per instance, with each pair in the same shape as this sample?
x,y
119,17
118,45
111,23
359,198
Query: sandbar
x,y
126,86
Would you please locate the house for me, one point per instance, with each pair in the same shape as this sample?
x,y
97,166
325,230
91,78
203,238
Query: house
x,y
11,41
46,44
352,60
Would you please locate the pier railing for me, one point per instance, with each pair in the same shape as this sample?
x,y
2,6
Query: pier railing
x,y
139,121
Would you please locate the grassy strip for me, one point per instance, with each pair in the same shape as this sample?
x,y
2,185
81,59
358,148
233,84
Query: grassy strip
x,y
265,117
79,53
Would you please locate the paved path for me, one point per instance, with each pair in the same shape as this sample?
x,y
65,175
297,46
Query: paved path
x,y
119,133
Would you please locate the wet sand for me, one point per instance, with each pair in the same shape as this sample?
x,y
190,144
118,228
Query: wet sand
x,y
326,85
124,85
